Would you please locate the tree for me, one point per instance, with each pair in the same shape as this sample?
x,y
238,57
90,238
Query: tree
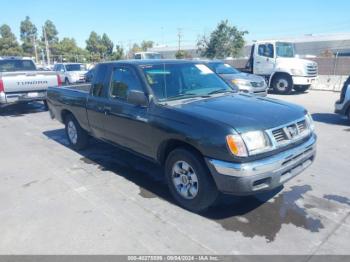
x,y
51,32
118,54
69,51
224,41
181,54
107,45
145,45
8,42
28,34
93,45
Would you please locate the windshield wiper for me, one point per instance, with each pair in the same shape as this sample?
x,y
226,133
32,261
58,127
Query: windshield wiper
x,y
220,91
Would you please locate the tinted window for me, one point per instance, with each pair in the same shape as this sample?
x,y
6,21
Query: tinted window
x,y
16,65
123,80
99,79
75,67
137,56
266,50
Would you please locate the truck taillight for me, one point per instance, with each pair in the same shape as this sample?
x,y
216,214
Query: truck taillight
x,y
2,89
59,81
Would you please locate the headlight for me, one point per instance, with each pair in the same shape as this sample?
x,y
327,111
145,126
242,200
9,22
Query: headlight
x,y
310,121
297,72
251,143
241,82
256,142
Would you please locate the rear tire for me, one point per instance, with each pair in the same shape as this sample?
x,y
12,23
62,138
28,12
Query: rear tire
x,y
77,137
282,84
301,89
190,181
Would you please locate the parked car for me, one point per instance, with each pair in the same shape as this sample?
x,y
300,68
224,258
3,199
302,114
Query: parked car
x,y
71,73
20,81
243,82
147,55
283,70
89,75
183,116
342,106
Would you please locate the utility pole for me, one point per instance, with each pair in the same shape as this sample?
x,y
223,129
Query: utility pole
x,y
47,46
179,35
35,50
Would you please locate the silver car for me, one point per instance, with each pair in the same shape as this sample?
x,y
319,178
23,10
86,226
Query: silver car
x,y
246,83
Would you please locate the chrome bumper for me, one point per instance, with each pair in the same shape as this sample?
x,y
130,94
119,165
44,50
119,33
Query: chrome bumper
x,y
21,97
264,174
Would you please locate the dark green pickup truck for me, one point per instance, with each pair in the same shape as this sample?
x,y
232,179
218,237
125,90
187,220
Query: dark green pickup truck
x,y
184,117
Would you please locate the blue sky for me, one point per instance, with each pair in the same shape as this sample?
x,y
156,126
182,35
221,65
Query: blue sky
x,y
158,20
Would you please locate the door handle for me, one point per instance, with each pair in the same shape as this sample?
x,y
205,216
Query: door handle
x,y
107,109
258,62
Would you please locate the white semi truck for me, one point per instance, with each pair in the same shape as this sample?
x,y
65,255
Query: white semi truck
x,y
283,71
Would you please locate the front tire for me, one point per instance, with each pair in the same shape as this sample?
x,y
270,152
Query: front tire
x,y
77,137
66,82
301,89
189,180
282,84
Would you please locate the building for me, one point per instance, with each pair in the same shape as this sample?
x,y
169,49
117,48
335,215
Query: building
x,y
310,45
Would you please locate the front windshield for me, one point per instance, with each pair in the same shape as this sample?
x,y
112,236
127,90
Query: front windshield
x,y
75,67
180,81
152,56
284,49
223,69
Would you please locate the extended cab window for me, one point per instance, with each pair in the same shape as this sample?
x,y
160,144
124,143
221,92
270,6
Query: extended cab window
x,y
266,50
99,80
123,80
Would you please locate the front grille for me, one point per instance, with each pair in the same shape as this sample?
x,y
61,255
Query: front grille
x,y
279,135
312,69
257,84
290,133
302,126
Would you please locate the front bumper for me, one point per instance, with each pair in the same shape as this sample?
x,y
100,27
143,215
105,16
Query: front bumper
x,y
304,80
262,175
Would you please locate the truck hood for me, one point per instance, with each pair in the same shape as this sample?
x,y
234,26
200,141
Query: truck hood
x,y
243,112
292,62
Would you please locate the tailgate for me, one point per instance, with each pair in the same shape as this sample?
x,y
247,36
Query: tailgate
x,y
18,82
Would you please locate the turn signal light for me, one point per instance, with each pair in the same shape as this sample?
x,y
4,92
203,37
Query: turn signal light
x,y
236,145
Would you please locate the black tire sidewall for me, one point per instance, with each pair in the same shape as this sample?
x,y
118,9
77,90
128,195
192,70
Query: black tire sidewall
x,y
66,82
289,87
207,191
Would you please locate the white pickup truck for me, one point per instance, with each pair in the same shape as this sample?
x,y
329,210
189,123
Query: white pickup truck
x,y
283,71
20,81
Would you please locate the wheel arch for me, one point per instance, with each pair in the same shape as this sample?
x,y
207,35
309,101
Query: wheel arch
x,y
278,73
171,144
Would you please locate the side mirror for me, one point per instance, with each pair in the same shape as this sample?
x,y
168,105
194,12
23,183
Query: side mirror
x,y
137,98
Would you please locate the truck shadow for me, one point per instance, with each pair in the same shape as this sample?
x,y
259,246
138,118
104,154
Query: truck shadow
x,y
22,109
260,215
332,119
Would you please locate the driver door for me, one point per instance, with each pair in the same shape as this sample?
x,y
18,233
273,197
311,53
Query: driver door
x,y
264,62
